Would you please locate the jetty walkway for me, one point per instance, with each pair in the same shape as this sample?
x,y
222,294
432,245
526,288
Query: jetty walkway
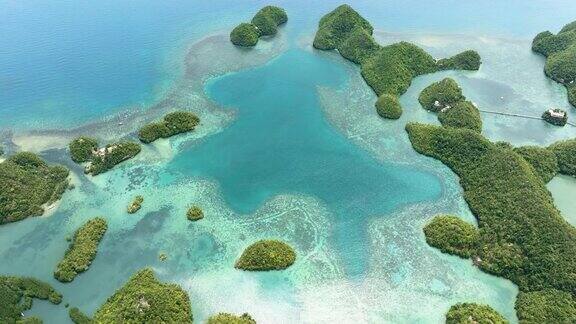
x,y
516,115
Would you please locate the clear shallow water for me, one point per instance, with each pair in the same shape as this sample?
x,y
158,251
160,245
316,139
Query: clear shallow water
x,y
281,142
353,194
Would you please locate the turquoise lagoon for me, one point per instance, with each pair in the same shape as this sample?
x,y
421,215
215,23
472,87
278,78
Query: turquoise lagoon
x,y
289,147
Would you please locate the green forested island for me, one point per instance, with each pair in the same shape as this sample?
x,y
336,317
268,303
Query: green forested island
x,y
522,236
469,313
266,255
82,250
144,299
173,123
226,318
451,234
194,213
560,52
85,149
17,294
264,23
27,183
135,205
387,69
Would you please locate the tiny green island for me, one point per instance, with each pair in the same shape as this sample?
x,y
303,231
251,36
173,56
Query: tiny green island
x,y
264,23
451,234
99,160
135,205
173,123
194,213
266,255
82,250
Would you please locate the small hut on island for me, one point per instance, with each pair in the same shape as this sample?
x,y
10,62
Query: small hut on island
x,y
556,117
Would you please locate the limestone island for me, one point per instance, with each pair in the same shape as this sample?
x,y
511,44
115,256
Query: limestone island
x,y
78,317
17,294
99,160
266,255
522,236
560,53
445,97
226,318
464,313
82,250
194,213
556,117
451,234
28,185
173,123
388,70
144,299
135,205
264,23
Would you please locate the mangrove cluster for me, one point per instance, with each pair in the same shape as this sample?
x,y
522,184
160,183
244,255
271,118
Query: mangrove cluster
x,y
560,52
264,23
82,250
144,299
388,70
226,318
469,313
78,317
522,236
445,97
135,205
27,183
17,294
173,123
266,255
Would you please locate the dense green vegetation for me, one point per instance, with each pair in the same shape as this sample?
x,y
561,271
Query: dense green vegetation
x,y
78,317
546,306
388,70
566,154
27,183
81,149
245,35
264,23
112,155
522,235
82,250
135,205
268,19
543,161
451,234
16,295
226,318
266,255
144,299
173,123
555,120
334,27
462,114
467,60
469,313
194,213
388,106
441,94
560,52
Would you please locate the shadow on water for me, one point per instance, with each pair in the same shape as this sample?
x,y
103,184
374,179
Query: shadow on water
x,y
281,143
